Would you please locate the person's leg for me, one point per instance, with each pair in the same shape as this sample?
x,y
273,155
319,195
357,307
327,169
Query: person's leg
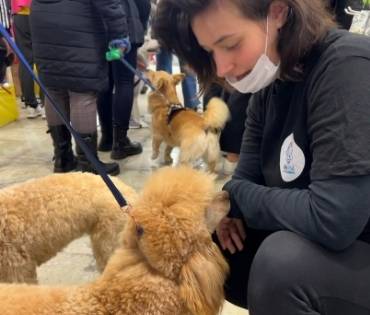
x,y
292,276
23,39
215,90
122,106
64,160
104,106
83,119
189,89
237,281
164,60
231,135
135,112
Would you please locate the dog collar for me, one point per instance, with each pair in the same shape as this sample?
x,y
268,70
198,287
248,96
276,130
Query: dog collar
x,y
173,110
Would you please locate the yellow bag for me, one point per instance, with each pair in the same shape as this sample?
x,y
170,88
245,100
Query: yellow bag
x,y
8,105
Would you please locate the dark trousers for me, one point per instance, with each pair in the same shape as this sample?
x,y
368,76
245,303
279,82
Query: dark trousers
x,y
104,106
124,89
284,273
232,134
23,39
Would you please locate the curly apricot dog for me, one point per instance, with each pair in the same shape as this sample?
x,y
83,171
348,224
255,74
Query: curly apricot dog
x,y
167,265
40,217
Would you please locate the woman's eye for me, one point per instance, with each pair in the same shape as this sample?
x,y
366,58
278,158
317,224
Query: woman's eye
x,y
232,47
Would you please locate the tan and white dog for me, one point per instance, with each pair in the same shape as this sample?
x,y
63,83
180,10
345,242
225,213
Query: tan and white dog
x,y
197,134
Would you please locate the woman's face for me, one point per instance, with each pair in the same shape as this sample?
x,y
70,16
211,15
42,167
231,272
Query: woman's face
x,y
235,42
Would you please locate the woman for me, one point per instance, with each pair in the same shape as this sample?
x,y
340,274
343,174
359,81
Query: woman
x,y
23,38
70,39
123,98
297,235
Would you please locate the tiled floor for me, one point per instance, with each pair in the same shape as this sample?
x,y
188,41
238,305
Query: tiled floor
x,y
26,152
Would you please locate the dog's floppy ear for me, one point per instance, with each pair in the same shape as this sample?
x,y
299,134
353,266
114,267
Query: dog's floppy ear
x,y
202,279
218,208
177,78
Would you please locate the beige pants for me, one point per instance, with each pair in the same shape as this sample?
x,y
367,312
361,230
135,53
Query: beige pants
x,y
79,108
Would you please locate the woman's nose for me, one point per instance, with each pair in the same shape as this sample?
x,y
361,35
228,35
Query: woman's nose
x,y
224,64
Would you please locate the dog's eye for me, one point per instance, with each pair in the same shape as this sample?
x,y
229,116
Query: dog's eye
x,y
139,231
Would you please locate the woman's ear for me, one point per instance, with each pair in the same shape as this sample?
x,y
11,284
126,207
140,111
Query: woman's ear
x,y
202,281
278,13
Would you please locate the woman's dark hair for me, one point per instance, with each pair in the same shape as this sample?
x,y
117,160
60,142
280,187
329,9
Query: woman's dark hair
x,y
307,24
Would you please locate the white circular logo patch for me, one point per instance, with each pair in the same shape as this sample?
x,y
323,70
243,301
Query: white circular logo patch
x,y
292,160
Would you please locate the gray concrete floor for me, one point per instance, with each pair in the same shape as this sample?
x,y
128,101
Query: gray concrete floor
x,y
26,152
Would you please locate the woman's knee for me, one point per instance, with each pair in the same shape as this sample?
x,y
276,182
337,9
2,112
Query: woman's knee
x,y
281,262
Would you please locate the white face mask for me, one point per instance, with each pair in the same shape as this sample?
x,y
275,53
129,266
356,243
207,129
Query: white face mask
x,y
262,74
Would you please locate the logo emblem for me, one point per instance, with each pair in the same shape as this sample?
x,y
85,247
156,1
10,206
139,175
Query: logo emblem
x,y
292,160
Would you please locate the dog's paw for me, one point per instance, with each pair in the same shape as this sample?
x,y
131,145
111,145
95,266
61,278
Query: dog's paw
x,y
154,156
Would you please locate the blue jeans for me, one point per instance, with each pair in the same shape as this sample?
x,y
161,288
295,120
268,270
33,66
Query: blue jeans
x,y
189,84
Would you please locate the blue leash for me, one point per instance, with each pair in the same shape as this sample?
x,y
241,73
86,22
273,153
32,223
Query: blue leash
x,y
115,54
139,74
98,166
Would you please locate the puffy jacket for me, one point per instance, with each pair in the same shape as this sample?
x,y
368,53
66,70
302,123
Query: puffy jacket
x,y
138,12
70,39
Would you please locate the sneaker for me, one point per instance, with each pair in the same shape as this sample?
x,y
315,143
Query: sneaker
x,y
33,112
199,108
43,114
133,124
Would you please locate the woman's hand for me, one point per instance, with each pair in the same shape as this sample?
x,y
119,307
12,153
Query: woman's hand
x,y
231,234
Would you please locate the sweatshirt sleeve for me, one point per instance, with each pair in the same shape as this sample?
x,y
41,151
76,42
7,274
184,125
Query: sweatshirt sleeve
x,y
114,17
331,212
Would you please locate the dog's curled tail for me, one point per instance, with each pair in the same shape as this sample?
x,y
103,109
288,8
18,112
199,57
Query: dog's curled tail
x,y
217,113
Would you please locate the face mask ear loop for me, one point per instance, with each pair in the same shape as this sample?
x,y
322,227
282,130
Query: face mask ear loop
x,y
267,34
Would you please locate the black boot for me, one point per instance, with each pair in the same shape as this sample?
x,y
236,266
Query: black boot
x,y
84,165
122,145
64,160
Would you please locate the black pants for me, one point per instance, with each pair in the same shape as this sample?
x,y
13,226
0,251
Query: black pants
x,y
23,39
232,134
124,89
104,106
290,275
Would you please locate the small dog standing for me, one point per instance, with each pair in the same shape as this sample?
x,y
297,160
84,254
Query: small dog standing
x,y
40,217
197,134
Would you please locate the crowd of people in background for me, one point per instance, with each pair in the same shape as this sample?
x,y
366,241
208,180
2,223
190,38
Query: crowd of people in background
x,y
67,41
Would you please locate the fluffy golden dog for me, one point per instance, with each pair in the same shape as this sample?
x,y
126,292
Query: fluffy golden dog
x,y
197,134
40,217
167,265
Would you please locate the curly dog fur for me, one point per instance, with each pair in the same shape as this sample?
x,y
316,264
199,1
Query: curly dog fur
x,y
196,134
40,217
167,265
